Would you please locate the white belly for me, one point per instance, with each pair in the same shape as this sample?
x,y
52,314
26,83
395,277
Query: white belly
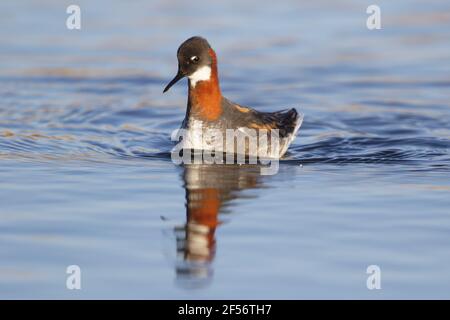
x,y
201,137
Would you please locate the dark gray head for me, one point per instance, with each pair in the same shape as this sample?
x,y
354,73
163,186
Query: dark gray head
x,y
193,55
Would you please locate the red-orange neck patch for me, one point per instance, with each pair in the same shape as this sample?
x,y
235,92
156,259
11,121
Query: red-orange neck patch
x,y
205,99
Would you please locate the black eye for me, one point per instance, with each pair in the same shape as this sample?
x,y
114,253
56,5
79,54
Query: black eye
x,y
195,59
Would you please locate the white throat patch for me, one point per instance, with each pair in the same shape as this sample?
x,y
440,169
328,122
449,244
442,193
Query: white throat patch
x,y
202,74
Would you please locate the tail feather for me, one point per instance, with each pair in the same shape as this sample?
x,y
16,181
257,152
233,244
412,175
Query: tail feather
x,y
293,121
288,122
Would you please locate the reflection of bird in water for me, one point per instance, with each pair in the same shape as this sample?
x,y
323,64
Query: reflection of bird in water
x,y
208,189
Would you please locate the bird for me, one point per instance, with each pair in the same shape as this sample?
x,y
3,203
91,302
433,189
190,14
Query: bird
x,y
209,111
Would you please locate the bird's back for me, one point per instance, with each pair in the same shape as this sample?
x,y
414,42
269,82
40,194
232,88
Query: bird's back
x,y
241,118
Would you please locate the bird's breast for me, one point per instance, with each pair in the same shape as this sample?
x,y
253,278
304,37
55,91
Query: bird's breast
x,y
205,99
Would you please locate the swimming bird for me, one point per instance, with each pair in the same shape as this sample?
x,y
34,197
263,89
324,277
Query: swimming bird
x,y
207,109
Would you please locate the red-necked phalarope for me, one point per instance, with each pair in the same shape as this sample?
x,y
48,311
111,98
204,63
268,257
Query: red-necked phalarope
x,y
208,109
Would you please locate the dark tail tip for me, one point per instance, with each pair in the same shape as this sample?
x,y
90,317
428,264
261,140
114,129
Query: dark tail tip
x,y
292,114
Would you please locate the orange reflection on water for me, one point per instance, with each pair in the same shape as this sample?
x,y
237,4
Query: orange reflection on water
x,y
209,188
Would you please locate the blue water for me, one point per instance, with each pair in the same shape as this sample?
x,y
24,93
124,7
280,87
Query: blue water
x,y
86,177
